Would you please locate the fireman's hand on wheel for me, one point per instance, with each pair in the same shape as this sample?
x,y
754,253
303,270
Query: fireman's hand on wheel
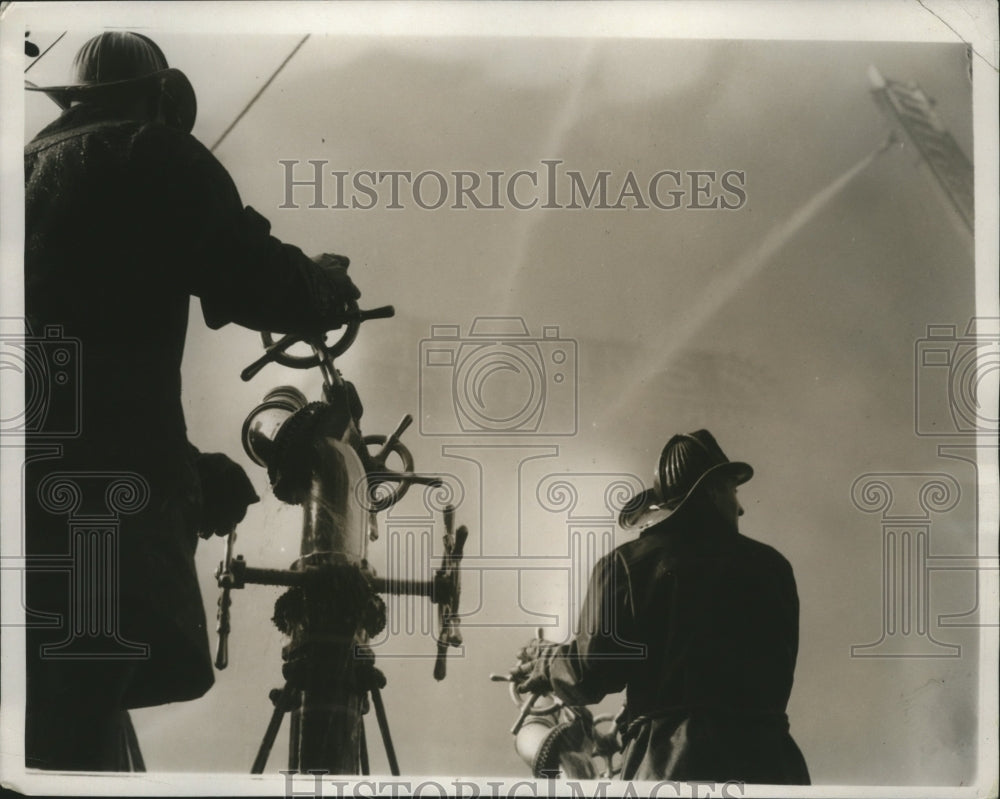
x,y
342,292
532,678
531,675
226,492
534,649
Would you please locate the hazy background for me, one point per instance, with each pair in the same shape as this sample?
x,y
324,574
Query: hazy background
x,y
804,368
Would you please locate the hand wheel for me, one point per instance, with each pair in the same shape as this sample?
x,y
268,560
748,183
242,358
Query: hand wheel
x,y
379,473
276,350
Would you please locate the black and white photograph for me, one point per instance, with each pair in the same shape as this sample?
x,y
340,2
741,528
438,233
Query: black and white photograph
x,y
499,399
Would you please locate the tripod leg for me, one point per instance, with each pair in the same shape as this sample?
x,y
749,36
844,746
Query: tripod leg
x,y
280,708
294,743
134,755
365,768
383,725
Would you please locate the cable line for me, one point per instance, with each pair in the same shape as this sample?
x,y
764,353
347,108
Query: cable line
x,y
256,97
40,57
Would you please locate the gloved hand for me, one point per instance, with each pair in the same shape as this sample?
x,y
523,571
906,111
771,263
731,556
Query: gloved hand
x,y
531,675
226,493
342,287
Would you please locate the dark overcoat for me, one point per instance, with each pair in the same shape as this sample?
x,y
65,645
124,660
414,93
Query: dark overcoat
x,y
124,222
699,625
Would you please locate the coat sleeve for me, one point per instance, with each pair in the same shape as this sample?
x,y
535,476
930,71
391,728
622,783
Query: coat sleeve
x,y
604,651
209,245
790,608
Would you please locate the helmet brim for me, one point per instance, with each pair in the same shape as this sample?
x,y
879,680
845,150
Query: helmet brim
x,y
181,105
647,508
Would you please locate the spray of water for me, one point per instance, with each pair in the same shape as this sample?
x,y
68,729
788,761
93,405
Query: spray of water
x,y
723,288
563,123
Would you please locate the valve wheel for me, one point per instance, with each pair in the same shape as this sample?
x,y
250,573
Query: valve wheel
x,y
382,500
544,705
338,348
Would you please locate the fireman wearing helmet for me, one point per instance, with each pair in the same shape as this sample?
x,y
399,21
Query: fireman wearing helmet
x,y
127,217
696,622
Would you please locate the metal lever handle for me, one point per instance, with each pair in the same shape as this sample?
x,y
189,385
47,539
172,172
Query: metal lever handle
x,y
379,473
222,648
525,711
393,439
225,579
270,353
448,591
382,312
527,707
